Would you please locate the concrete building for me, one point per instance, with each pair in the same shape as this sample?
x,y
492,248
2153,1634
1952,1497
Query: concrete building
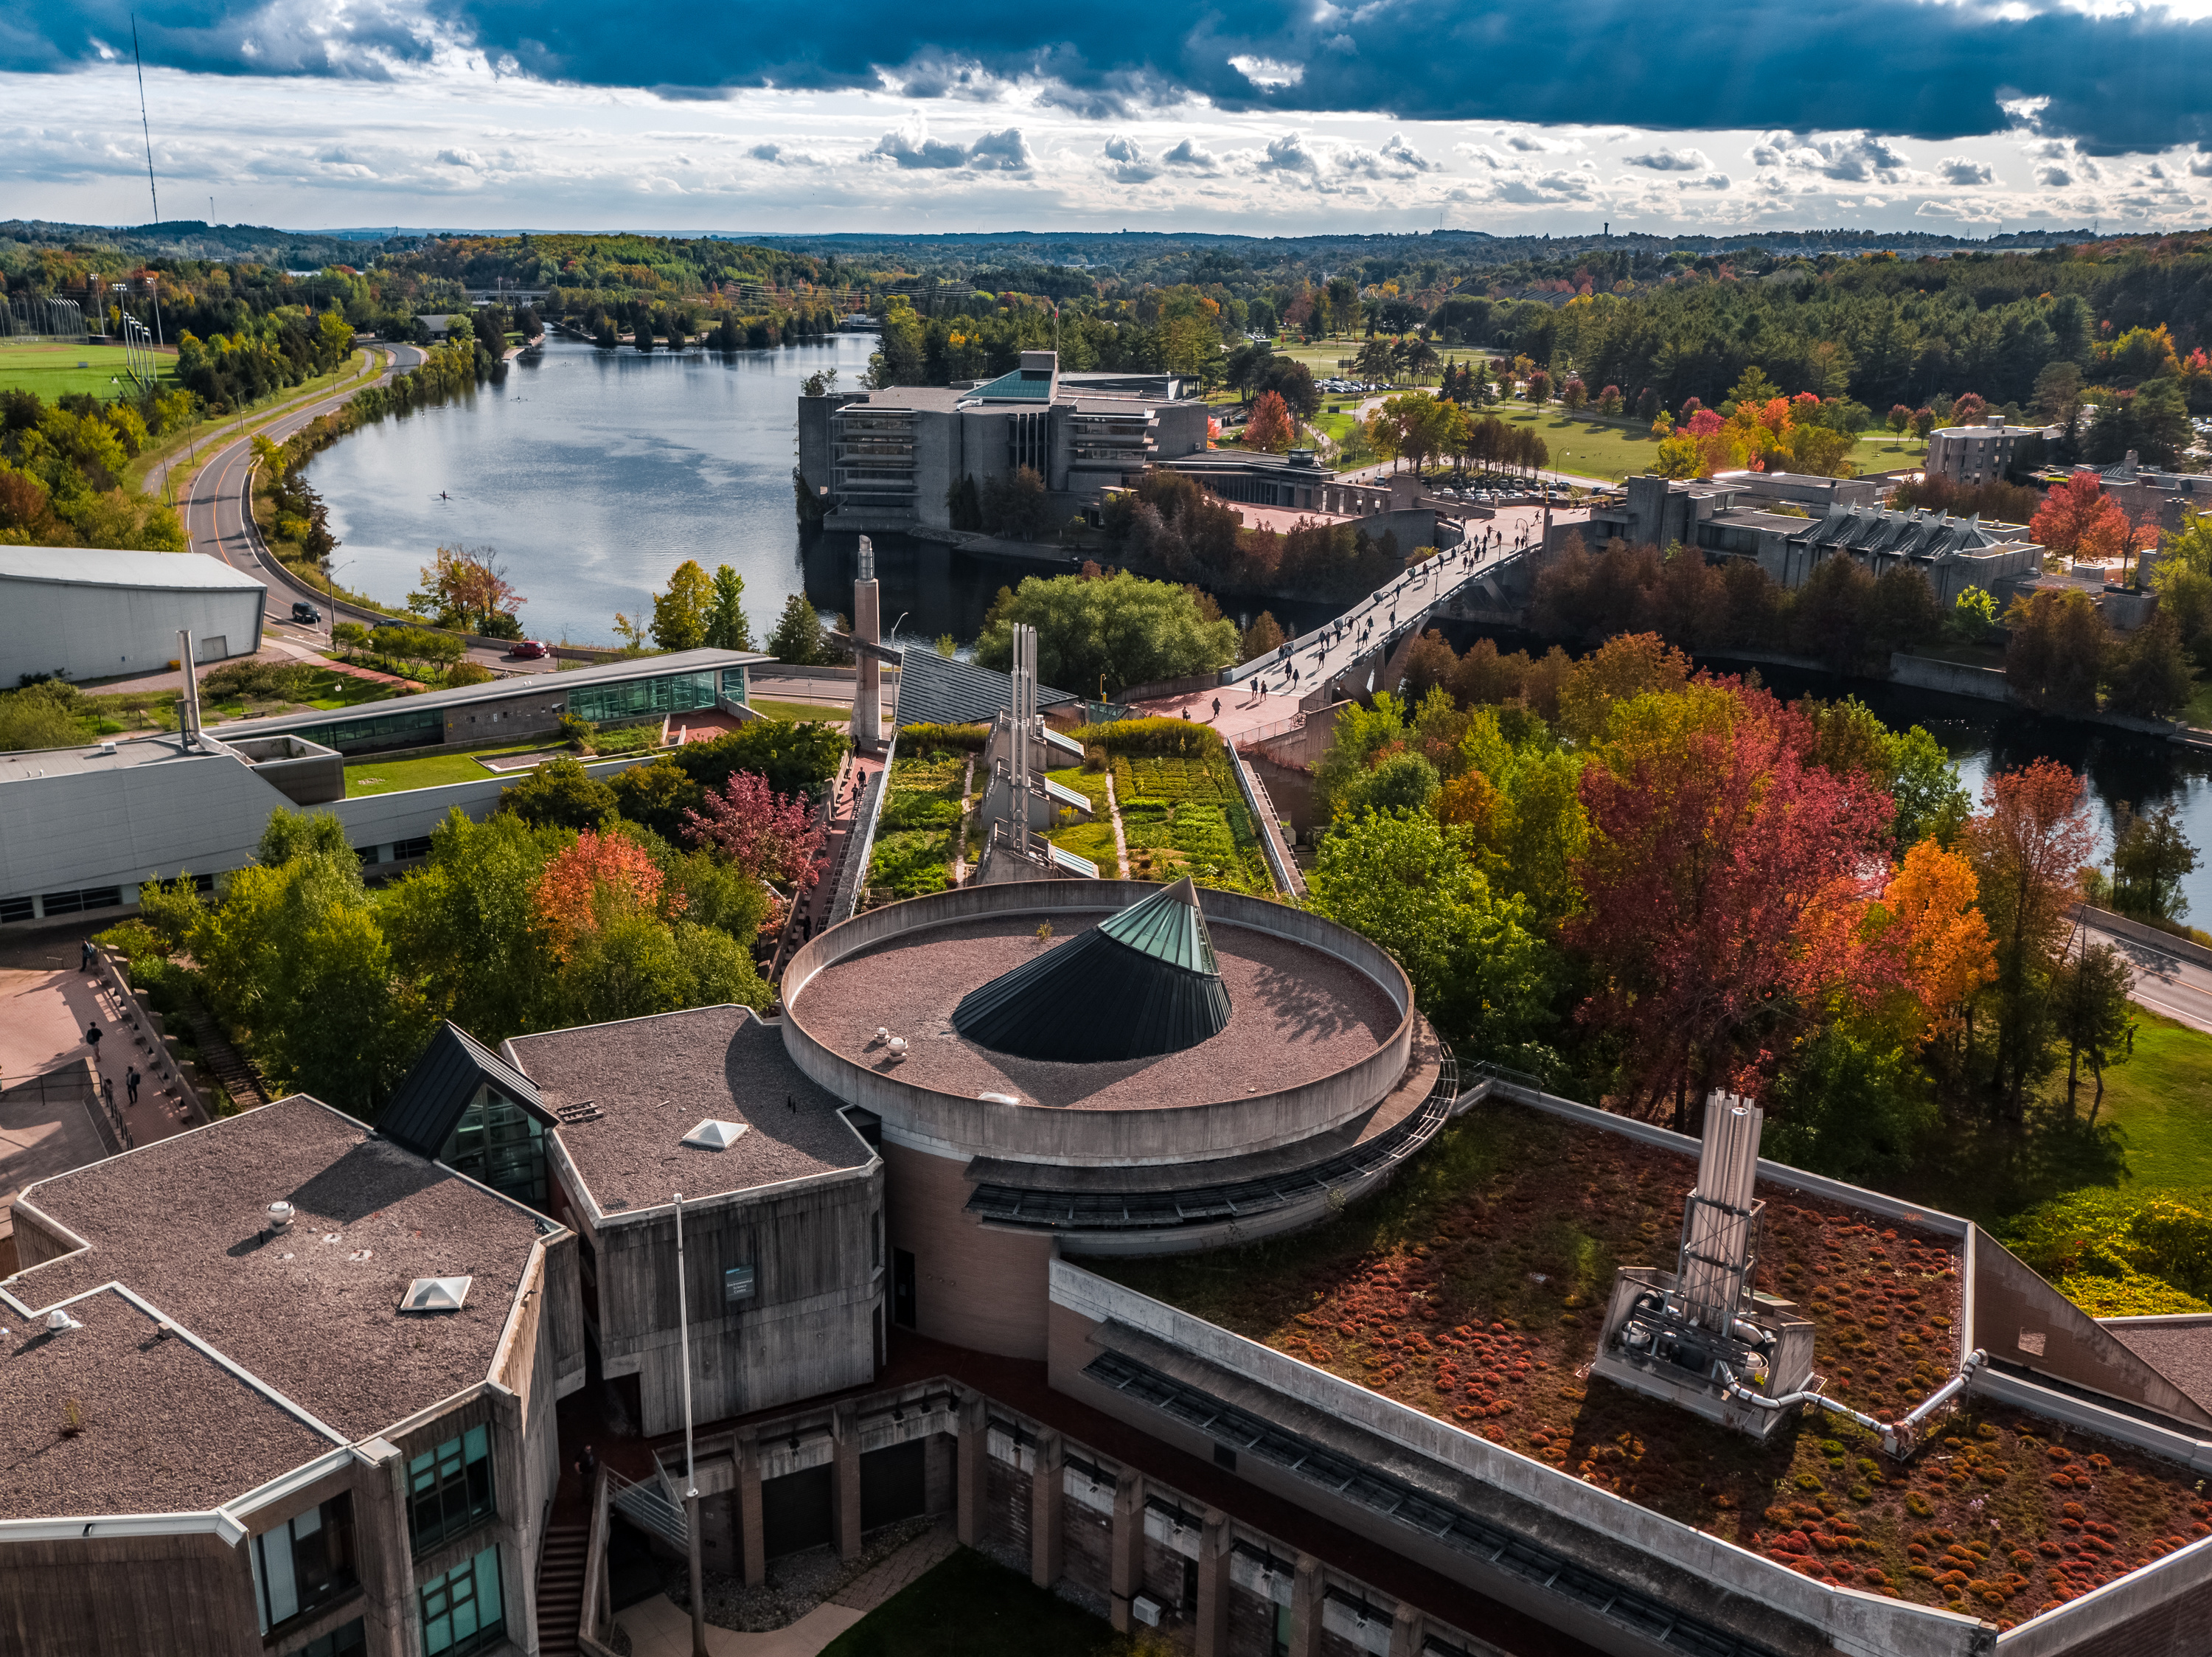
x,y
86,614
884,460
2166,499
280,1385
1979,455
1282,485
1736,517
80,828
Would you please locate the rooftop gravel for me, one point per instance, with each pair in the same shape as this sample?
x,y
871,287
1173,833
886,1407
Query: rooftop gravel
x,y
1473,1290
1299,1016
313,1312
111,1418
654,1079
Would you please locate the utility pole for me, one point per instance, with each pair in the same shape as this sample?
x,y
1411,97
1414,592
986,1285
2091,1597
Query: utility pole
x,y
690,1465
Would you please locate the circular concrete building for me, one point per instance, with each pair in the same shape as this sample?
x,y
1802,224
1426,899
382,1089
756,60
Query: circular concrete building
x,y
1102,1067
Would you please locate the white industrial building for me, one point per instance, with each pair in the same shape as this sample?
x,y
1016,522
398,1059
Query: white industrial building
x,y
80,613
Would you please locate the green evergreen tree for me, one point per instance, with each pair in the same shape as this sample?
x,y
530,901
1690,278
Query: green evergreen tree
x,y
727,626
798,636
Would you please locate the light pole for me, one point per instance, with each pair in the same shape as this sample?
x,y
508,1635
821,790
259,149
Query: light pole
x,y
331,597
690,1467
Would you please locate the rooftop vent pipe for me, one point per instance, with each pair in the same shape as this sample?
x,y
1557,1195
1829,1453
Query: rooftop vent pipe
x,y
280,1219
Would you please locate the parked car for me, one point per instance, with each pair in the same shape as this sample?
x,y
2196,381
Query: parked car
x,y
306,615
530,649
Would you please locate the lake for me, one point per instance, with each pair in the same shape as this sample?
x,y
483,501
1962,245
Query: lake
x,y
595,473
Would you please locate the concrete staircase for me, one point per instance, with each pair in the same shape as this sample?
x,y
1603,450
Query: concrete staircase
x,y
560,1589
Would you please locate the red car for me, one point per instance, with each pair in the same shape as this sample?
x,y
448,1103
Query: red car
x,y
530,649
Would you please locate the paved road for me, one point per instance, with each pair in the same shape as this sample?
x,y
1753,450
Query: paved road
x,y
2166,984
217,518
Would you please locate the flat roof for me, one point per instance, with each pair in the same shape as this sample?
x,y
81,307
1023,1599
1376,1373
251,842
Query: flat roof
x,y
153,749
1297,1015
162,1427
315,1312
99,566
652,1080
500,690
1479,1298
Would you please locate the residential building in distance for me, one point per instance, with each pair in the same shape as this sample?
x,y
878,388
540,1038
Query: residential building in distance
x,y
85,825
1981,454
80,613
885,460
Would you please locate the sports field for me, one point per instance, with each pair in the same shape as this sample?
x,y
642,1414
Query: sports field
x,y
52,370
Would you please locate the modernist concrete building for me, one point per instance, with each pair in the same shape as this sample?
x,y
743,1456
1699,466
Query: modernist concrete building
x,y
1979,454
279,1385
884,460
85,613
1736,516
80,828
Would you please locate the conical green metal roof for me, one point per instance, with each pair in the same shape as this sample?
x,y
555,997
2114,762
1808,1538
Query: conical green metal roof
x,y
1139,985
1169,927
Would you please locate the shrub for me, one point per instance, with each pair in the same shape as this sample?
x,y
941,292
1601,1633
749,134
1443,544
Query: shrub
x,y
959,739
468,673
1151,736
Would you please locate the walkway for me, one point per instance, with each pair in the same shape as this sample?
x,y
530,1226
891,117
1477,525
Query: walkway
x,y
659,1628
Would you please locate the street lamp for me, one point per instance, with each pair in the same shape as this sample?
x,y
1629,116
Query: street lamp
x,y
330,597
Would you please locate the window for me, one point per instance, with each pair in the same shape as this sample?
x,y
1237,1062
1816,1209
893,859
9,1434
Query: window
x,y
498,1141
70,903
638,698
404,850
305,1562
339,1643
450,1489
461,1610
737,1285
16,908
416,729
734,684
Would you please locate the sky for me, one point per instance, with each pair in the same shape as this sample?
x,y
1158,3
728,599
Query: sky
x,y
1260,117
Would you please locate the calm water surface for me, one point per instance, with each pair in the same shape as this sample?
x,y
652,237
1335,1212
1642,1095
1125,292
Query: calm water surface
x,y
595,473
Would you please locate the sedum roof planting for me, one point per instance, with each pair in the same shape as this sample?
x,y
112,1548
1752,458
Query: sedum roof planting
x,y
1473,1290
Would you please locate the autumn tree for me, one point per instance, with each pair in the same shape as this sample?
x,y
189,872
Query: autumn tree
x,y
767,835
680,615
2077,520
597,881
1941,938
1725,884
1270,427
2027,848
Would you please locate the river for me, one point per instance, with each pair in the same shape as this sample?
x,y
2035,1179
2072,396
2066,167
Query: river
x,y
595,473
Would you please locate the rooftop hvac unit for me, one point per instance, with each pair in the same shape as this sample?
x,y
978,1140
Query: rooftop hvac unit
x,y
1701,1336
280,1218
1145,1609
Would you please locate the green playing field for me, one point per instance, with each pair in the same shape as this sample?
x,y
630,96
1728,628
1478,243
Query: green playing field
x,y
52,370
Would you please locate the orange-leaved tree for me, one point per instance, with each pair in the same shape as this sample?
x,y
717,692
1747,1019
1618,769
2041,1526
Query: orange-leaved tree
x,y
2078,519
600,879
1940,937
1270,427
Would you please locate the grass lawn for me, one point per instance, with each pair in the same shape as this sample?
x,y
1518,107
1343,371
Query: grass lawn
x,y
800,710
2199,711
972,1606
430,771
2161,1101
52,370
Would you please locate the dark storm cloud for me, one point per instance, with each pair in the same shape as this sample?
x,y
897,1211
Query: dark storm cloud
x,y
1892,66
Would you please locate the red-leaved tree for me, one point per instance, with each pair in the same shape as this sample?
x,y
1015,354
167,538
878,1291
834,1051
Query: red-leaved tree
x,y
1270,426
768,835
2080,521
1726,884
600,879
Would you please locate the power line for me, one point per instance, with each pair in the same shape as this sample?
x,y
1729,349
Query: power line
x,y
147,131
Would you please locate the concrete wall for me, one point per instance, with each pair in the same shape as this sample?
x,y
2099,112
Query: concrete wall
x,y
2014,1312
954,1125
533,712
808,1328
100,632
190,1596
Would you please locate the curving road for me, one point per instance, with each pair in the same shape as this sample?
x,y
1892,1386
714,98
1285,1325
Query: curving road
x,y
2164,981
218,519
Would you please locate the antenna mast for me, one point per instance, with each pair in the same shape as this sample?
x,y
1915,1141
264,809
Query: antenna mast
x,y
147,133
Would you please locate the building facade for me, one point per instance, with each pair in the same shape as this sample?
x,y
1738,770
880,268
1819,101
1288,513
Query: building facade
x,y
86,614
886,461
1981,454
80,828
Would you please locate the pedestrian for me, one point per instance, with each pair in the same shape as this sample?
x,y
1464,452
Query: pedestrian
x,y
92,1036
1216,707
107,1093
590,1465
130,1083
84,956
